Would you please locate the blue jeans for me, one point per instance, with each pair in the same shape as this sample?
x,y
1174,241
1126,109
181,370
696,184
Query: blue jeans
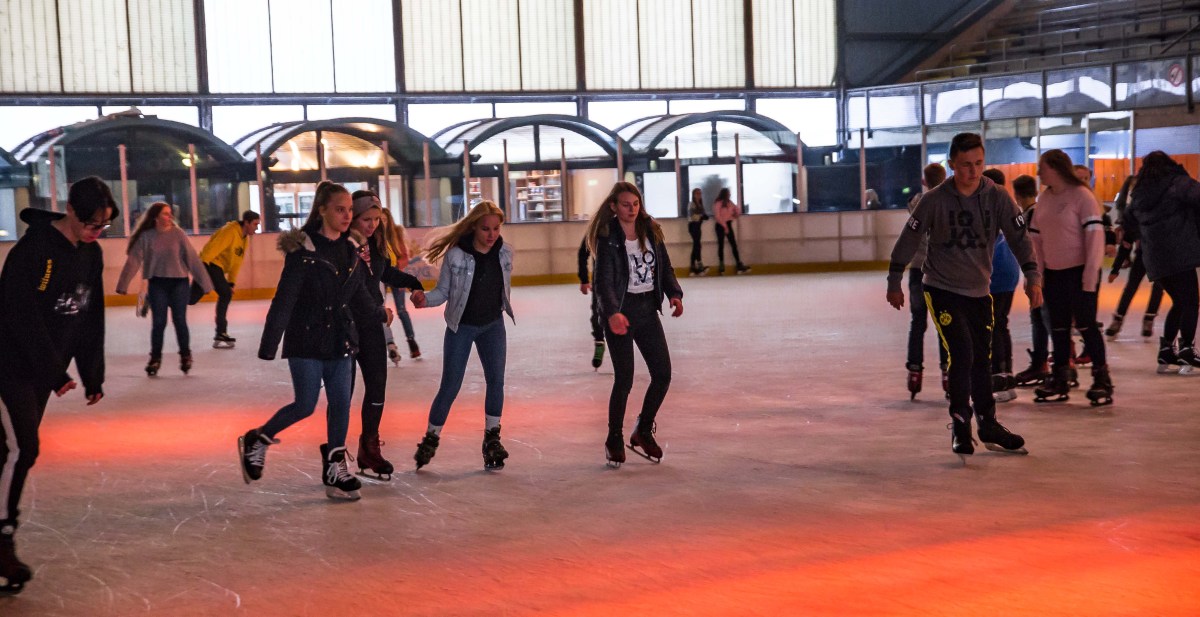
x,y
307,376
402,312
492,342
168,293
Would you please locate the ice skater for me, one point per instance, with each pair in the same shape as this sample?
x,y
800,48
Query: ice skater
x,y
322,294
1069,238
696,216
1006,275
585,287
366,230
1162,219
725,212
222,256
475,283
962,218
51,312
1026,191
1137,272
933,175
633,275
161,250
401,254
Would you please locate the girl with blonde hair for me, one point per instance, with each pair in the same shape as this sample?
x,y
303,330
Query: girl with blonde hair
x,y
474,283
401,251
632,276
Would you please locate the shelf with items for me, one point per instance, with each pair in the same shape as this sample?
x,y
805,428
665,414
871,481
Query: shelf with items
x,y
474,191
538,195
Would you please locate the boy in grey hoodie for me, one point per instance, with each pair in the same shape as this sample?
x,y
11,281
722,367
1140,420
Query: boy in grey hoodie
x,y
962,218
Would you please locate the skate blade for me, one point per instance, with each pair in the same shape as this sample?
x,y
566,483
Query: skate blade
x,y
614,464
644,455
11,588
371,475
995,447
1004,396
1042,400
1166,369
494,466
334,492
241,463
1187,369
962,457
1101,402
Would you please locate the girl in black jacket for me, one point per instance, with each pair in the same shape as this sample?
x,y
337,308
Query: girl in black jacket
x,y
322,292
366,229
632,275
1163,218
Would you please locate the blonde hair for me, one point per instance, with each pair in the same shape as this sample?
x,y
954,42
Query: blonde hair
x,y
645,225
395,239
442,239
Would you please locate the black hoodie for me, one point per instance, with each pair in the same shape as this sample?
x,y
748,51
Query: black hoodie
x,y
52,307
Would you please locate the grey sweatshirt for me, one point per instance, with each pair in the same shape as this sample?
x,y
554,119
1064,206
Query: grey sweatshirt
x,y
962,232
163,254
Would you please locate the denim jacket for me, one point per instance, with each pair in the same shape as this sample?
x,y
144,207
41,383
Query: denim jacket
x,y
454,283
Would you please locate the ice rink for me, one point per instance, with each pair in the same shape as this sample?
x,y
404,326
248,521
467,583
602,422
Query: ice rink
x,y
798,479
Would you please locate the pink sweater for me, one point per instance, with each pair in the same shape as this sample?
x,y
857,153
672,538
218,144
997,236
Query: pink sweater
x,y
1068,231
725,211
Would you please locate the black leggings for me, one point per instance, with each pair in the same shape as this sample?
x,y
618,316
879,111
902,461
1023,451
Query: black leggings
x,y
1001,336
721,233
1137,272
22,406
646,331
372,361
596,321
1066,301
694,232
224,295
1185,307
964,325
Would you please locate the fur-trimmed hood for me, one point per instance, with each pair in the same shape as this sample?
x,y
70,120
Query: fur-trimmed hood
x,y
296,239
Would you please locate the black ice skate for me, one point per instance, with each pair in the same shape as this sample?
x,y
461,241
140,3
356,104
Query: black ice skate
x,y
223,341
426,449
13,573
185,362
614,449
493,451
1148,325
598,355
252,452
153,365
642,443
371,463
997,438
742,269
1188,361
915,375
1057,387
414,351
961,442
1114,328
1035,375
339,482
1102,388
1168,360
1004,387
393,354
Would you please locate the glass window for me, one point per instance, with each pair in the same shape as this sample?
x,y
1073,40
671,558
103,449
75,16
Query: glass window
x,y
232,122
331,112
1078,90
665,44
1012,96
95,46
814,118
768,187
697,106
894,107
795,43
1151,83
659,191
816,42
20,123
611,47
8,215
517,110
613,114
431,27
364,46
548,31
162,45
29,60
186,115
718,39
956,101
428,119
856,111
302,46
491,52
239,55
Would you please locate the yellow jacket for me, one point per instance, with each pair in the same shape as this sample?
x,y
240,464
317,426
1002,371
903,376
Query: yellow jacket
x,y
225,250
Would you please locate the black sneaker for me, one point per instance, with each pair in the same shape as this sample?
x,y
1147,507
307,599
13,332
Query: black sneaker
x,y
252,451
997,438
13,573
426,449
339,482
493,451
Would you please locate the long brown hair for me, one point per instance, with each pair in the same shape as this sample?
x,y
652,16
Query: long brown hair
x,y
441,240
1061,163
325,192
395,237
147,221
645,225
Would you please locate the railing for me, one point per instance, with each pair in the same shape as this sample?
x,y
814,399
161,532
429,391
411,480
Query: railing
x,y
1086,56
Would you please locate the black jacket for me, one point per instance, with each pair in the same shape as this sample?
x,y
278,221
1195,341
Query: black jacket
x,y
611,276
52,307
1163,217
380,270
582,258
317,302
